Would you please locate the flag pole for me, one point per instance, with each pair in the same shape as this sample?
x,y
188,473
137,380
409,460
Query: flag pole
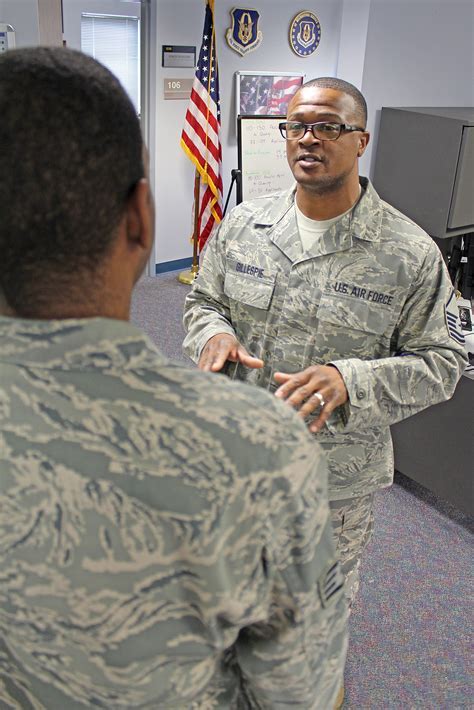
x,y
187,277
201,142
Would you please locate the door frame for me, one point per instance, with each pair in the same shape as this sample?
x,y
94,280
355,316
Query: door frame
x,y
148,94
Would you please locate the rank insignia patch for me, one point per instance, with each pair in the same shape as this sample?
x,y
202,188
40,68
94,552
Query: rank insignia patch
x,y
330,583
244,35
305,33
453,323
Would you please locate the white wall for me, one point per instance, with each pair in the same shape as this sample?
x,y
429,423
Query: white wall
x,y
23,15
180,22
419,53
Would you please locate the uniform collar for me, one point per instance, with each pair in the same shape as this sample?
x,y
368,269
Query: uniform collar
x,y
364,222
366,219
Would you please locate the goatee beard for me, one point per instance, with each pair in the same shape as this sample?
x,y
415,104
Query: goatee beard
x,y
326,185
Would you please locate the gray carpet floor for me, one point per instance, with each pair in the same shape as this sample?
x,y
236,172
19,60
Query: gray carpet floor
x,y
411,627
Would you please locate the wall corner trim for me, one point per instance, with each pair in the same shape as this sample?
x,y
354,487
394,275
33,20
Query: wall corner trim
x,y
166,266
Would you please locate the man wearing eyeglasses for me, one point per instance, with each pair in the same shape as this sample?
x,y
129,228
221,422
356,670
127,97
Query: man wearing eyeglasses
x,y
335,301
157,548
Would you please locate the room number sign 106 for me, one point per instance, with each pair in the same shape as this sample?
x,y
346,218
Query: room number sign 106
x,y
177,88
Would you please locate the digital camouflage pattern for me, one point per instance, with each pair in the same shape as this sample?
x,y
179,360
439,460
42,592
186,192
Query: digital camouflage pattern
x,y
165,539
352,524
369,297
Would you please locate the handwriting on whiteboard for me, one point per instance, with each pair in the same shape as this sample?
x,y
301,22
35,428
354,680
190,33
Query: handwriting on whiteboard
x,y
263,158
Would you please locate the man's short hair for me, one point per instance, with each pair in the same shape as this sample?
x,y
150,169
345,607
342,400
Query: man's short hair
x,y
330,82
70,153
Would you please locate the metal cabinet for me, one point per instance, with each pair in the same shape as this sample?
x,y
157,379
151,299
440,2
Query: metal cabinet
x,y
425,167
436,447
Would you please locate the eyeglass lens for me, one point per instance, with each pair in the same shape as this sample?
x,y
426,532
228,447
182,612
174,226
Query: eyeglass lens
x,y
323,131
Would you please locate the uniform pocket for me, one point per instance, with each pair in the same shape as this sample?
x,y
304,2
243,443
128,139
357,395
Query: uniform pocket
x,y
351,328
354,314
249,291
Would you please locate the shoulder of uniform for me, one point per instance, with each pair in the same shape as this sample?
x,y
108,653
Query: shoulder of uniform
x,y
239,402
399,229
250,401
408,224
250,427
262,208
262,202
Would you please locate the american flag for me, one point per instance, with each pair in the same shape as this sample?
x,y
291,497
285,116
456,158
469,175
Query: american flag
x,y
267,95
200,139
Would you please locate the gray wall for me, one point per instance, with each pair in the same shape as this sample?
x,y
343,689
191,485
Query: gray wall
x,y
23,15
174,172
352,41
419,53
399,52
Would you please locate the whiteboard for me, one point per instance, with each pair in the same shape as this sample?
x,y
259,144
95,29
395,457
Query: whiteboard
x,y
262,157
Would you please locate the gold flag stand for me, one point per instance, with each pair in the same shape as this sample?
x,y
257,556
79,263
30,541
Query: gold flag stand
x,y
187,277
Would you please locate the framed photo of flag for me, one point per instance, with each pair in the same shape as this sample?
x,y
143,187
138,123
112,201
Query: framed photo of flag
x,y
265,93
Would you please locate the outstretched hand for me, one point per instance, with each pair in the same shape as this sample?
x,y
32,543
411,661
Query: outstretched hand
x,y
223,347
319,387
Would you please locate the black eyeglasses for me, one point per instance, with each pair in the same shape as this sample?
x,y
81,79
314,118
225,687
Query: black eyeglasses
x,y
323,130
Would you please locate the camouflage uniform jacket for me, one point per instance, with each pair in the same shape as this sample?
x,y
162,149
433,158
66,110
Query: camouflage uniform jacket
x,y
164,534
370,297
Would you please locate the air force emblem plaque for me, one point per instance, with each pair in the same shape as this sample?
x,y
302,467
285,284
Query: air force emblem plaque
x,y
244,35
305,33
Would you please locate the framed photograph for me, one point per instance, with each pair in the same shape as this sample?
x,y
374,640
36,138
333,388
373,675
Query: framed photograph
x,y
265,93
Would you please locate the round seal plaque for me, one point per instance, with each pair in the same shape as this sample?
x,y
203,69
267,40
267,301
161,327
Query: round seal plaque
x,y
305,33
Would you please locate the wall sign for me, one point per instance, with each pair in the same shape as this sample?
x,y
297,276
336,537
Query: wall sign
x,y
244,36
305,33
174,55
177,88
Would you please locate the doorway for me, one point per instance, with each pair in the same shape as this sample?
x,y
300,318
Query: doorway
x,y
119,33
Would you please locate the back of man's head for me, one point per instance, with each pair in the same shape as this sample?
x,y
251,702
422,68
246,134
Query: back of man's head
x,y
71,151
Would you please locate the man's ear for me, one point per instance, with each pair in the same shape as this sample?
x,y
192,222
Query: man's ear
x,y
140,217
363,143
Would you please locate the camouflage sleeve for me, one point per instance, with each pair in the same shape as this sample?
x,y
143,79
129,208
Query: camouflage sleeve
x,y
296,657
428,357
206,309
